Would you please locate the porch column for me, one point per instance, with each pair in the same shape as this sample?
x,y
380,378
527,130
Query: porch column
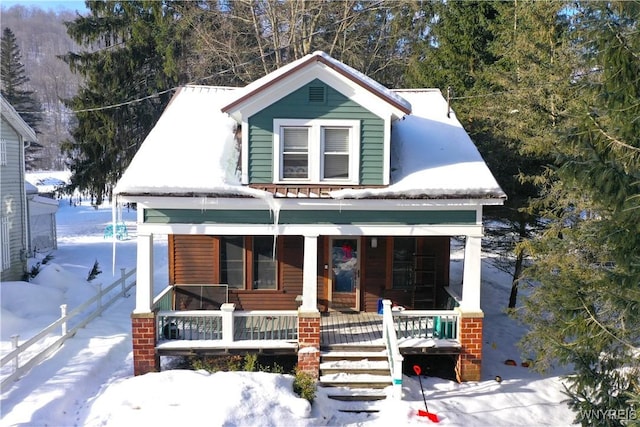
x,y
471,275
144,274
308,314
310,275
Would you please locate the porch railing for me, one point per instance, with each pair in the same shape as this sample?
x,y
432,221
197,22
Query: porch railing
x,y
227,325
436,324
390,339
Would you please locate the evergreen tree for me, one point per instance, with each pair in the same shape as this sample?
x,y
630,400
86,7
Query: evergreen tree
x,y
131,64
13,78
493,55
584,303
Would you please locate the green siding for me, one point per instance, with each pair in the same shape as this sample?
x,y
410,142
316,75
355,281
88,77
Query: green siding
x,y
193,216
296,106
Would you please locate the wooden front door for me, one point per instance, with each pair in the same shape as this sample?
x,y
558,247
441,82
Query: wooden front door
x,y
344,273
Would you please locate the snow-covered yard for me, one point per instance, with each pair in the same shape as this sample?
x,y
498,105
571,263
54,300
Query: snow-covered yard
x,y
89,381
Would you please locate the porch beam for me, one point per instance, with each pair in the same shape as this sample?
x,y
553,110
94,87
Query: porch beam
x,y
418,230
310,274
471,277
144,273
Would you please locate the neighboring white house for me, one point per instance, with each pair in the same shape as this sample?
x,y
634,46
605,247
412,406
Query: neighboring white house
x,y
14,230
42,221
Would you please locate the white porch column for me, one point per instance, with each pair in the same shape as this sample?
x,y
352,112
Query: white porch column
x,y
471,275
144,274
310,275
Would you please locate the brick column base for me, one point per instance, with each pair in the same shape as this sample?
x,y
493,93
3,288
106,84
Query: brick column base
x,y
468,367
143,334
309,343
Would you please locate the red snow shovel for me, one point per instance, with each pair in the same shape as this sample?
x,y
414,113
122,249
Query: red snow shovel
x,y
433,417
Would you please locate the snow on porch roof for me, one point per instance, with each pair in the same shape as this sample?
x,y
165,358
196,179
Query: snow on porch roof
x,y
192,151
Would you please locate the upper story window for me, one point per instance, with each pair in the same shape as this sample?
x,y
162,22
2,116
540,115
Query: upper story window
x,y
317,151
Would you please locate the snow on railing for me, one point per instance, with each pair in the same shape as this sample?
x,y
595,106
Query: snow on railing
x,y
393,350
101,305
227,325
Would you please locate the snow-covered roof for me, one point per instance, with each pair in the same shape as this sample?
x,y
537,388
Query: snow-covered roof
x,y
14,119
432,155
192,150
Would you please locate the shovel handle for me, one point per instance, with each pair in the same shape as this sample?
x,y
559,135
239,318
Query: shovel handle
x,y
417,369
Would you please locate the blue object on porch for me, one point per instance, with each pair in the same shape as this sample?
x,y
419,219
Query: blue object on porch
x,y
443,328
121,231
380,306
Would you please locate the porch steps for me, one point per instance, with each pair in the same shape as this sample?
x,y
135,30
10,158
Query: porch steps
x,y
355,376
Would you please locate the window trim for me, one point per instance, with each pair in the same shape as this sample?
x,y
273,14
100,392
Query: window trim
x,y
3,152
316,150
5,246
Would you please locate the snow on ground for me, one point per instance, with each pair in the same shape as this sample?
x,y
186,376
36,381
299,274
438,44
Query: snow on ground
x,y
89,381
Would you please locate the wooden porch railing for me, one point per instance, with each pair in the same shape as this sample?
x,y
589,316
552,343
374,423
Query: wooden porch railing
x,y
227,325
436,324
390,338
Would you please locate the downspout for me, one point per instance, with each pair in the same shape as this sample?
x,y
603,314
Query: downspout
x,y
25,205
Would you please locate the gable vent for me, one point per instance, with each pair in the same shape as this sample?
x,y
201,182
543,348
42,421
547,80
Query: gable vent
x,y
316,94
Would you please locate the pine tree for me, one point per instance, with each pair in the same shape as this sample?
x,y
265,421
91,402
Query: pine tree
x,y
584,301
487,54
131,64
13,78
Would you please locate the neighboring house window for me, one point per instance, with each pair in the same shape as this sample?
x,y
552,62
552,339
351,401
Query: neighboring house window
x,y
5,246
235,262
317,151
264,263
232,261
3,151
403,250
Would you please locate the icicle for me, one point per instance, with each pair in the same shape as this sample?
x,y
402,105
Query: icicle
x,y
203,203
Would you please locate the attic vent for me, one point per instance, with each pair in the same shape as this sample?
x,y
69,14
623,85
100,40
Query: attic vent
x,y
316,94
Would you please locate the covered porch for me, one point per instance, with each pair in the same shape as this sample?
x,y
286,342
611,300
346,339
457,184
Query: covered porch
x,y
230,331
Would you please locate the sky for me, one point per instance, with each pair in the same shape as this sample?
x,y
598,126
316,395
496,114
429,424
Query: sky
x,y
89,381
47,4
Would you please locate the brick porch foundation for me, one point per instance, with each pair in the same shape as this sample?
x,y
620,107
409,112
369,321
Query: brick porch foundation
x,y
309,343
469,364
143,334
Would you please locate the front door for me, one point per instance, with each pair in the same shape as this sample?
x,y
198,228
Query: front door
x,y
345,273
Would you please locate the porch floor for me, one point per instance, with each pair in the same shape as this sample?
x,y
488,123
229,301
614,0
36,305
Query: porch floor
x,y
365,329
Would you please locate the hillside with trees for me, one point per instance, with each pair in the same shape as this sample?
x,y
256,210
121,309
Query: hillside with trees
x,y
41,37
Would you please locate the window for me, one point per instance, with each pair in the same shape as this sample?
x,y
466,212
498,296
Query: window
x,y
316,151
403,250
236,263
5,246
3,151
264,263
232,261
295,153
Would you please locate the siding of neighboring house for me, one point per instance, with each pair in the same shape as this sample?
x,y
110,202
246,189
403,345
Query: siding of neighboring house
x,y
13,205
297,106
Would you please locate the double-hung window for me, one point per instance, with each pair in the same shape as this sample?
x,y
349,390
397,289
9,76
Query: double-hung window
x,y
240,257
317,151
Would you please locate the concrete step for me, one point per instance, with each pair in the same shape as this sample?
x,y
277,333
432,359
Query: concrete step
x,y
355,381
360,366
334,355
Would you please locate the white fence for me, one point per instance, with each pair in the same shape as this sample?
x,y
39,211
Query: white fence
x,y
84,317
